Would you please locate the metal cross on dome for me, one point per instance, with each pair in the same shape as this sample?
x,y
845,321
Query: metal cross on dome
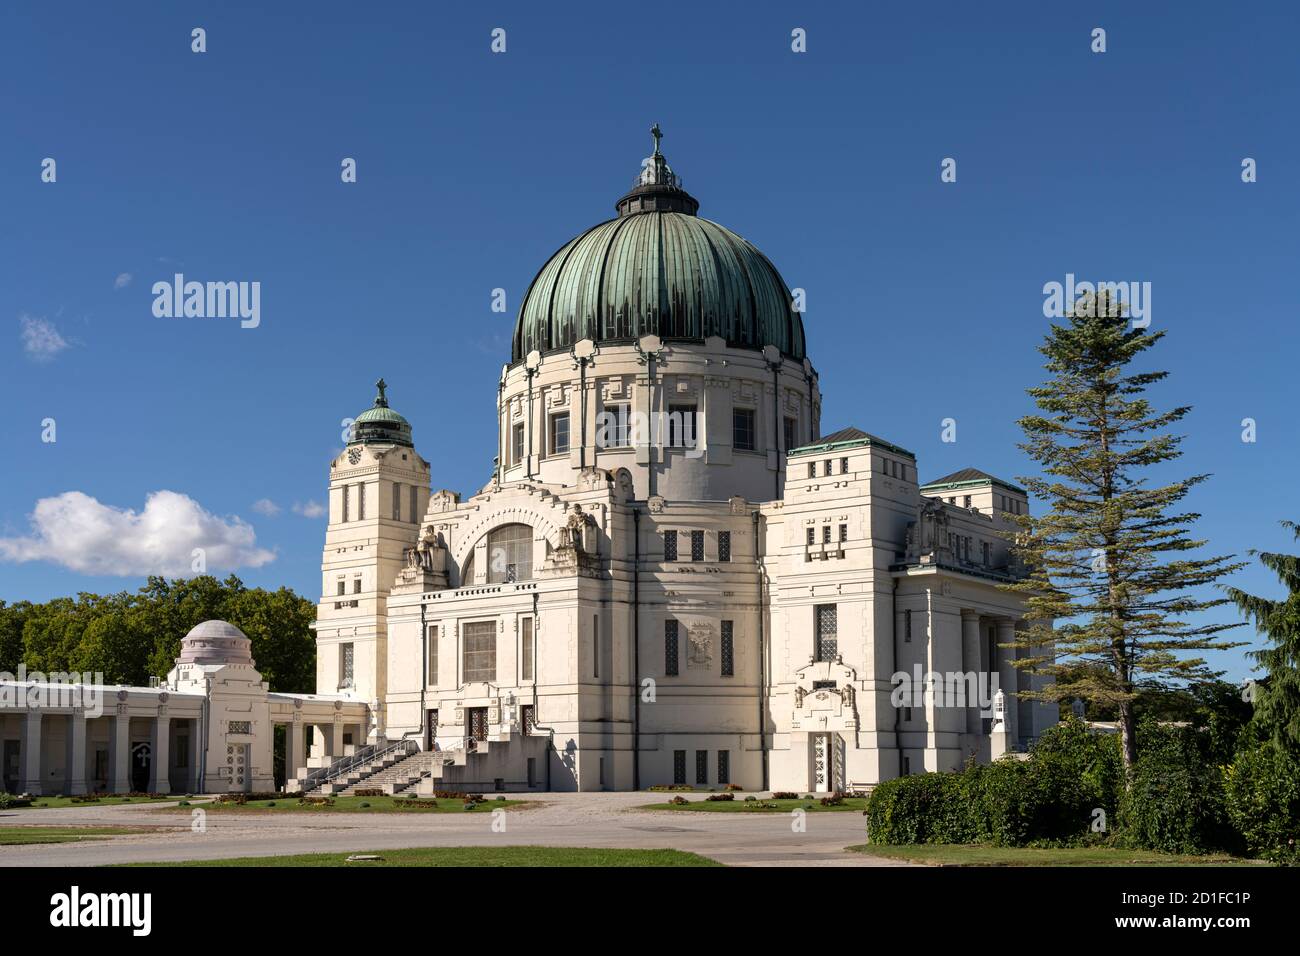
x,y
381,385
658,134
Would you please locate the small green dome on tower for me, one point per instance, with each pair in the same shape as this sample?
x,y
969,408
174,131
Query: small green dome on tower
x,y
380,425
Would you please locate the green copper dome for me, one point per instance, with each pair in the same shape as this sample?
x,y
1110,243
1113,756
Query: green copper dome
x,y
380,425
658,268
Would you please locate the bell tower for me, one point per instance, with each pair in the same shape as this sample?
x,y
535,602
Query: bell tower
x,y
379,489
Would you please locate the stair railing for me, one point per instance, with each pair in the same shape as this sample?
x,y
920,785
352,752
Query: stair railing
x,y
367,754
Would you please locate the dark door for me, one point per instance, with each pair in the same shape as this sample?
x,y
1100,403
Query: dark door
x,y
13,751
526,719
477,722
141,764
430,729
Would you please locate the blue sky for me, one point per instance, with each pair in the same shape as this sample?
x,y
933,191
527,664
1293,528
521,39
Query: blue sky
x,y
924,299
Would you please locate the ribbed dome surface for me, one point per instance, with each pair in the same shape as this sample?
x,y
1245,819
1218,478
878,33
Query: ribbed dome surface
x,y
663,272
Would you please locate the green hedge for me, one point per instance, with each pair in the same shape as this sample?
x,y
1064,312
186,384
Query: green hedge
x,y
1262,797
1175,802
1048,800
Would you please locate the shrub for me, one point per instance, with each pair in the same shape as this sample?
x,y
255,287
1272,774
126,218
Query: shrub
x,y
414,801
734,786
713,797
364,806
314,801
679,801
920,808
669,787
1175,801
751,798
1262,798
368,792
11,801
834,800
785,795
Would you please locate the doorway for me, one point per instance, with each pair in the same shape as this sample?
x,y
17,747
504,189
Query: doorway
x,y
12,765
431,730
476,724
141,767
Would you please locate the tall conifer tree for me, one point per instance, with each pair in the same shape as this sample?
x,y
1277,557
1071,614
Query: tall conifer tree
x,y
1111,558
1277,699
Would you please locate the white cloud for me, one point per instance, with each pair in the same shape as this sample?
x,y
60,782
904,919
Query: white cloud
x,y
41,340
77,532
122,281
312,509
265,506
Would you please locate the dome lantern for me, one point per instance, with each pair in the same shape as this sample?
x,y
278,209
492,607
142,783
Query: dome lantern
x,y
379,424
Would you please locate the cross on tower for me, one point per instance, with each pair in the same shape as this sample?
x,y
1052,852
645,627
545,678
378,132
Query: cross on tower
x,y
658,134
381,385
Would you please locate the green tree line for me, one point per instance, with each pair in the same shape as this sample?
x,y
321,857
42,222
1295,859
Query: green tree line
x,y
130,637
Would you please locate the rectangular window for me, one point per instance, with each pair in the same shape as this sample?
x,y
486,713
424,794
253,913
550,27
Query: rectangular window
x,y
811,536
560,434
526,648
480,651
361,502
595,646
679,767
670,648
346,492
517,444
615,431
697,545
844,533
724,545
828,467
701,767
397,501
681,426
356,585
844,466
825,634
343,587
812,469
791,433
724,766
670,545
966,501
527,719
433,655
345,665
727,650
826,534
241,726
742,429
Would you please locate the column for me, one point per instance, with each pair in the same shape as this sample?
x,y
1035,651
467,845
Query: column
x,y
160,760
119,754
1009,677
74,754
31,779
295,749
334,738
970,657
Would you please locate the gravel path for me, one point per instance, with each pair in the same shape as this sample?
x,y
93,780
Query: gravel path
x,y
569,819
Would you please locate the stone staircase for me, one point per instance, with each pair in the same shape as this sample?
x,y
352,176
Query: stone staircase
x,y
348,771
396,777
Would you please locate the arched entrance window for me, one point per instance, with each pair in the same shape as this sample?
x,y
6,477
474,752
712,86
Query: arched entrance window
x,y
510,554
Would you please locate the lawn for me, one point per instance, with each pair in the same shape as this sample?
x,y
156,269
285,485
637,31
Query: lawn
x,y
472,856
947,854
20,836
383,804
740,805
49,803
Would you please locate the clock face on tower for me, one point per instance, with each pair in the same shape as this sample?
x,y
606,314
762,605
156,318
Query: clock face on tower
x,y
354,455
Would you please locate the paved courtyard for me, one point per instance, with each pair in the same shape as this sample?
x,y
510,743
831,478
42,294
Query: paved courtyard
x,y
571,820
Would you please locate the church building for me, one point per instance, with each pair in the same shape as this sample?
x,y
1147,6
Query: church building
x,y
674,576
